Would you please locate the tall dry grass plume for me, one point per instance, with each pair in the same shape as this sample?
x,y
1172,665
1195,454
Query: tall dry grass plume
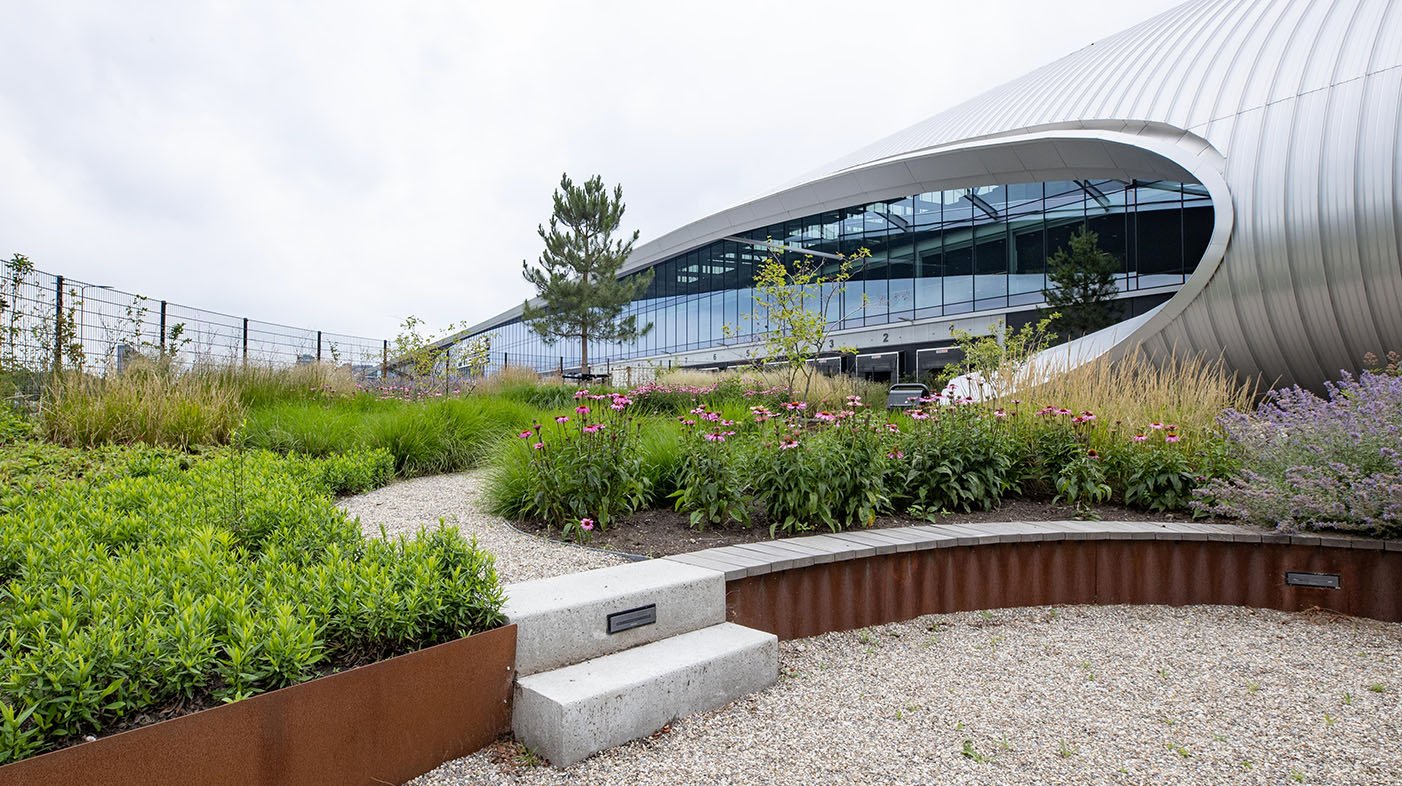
x,y
831,390
504,377
1190,391
157,402
149,403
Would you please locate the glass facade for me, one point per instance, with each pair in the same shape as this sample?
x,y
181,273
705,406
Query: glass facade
x,y
935,254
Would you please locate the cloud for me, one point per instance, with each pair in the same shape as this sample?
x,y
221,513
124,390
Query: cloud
x,y
341,165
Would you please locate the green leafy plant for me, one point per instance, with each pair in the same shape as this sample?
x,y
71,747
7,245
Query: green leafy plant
x,y
954,457
971,753
1081,481
140,581
585,470
711,485
830,472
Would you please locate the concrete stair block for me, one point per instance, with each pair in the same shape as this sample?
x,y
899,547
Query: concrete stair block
x,y
564,620
573,712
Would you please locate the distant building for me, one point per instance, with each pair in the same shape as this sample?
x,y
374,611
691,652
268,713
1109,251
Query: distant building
x,y
1239,158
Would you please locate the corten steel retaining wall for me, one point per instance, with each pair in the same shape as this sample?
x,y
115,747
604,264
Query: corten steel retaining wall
x,y
384,723
872,590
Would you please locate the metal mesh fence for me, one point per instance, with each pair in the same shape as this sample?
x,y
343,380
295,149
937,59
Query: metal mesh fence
x,y
52,322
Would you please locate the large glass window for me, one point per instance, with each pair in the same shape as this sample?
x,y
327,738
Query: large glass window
x,y
934,254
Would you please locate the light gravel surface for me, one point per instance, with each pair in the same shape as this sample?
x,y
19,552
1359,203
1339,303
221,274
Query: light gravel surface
x,y
1068,695
407,506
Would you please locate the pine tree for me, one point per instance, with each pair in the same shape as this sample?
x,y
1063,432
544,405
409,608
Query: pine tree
x,y
577,275
1082,290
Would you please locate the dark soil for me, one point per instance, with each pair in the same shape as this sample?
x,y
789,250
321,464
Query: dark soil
x,y
661,532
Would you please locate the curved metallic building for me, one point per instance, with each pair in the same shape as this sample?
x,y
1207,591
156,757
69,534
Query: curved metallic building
x,y
1281,120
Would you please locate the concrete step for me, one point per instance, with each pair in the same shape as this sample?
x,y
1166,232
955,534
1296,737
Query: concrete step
x,y
565,620
571,713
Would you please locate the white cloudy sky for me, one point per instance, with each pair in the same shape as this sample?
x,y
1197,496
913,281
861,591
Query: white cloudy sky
x,y
339,165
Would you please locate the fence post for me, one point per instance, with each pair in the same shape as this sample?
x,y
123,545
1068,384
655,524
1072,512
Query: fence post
x,y
163,327
245,341
318,346
384,360
58,324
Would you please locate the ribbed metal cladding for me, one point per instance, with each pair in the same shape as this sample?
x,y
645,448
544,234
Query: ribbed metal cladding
x,y
857,593
1294,106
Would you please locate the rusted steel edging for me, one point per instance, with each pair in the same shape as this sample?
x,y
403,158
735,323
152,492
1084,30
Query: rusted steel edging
x,y
808,586
387,722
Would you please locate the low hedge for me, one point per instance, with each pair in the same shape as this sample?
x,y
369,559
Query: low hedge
x,y
152,583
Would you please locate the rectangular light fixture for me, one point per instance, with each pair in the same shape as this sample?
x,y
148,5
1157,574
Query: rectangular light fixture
x,y
620,621
1297,578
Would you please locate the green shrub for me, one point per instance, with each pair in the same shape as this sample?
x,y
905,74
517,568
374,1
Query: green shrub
x,y
164,581
831,474
259,385
662,451
955,457
581,471
711,487
347,473
1081,481
14,426
424,437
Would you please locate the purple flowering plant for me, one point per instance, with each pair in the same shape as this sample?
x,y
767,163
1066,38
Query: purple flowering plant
x,y
711,485
1317,463
586,465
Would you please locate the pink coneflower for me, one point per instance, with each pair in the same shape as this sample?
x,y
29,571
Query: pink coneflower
x,y
586,524
581,409
1045,411
688,422
699,411
1087,416
916,414
826,417
525,435
714,436
1139,438
593,428
581,393
893,428
1063,411
895,454
788,444
562,419
711,417
999,413
1156,425
539,446
1170,437
1092,454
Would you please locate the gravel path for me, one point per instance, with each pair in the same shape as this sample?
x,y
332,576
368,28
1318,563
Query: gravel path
x,y
409,505
1113,695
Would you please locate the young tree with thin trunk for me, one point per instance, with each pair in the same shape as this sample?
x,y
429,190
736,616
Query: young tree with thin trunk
x,y
576,279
